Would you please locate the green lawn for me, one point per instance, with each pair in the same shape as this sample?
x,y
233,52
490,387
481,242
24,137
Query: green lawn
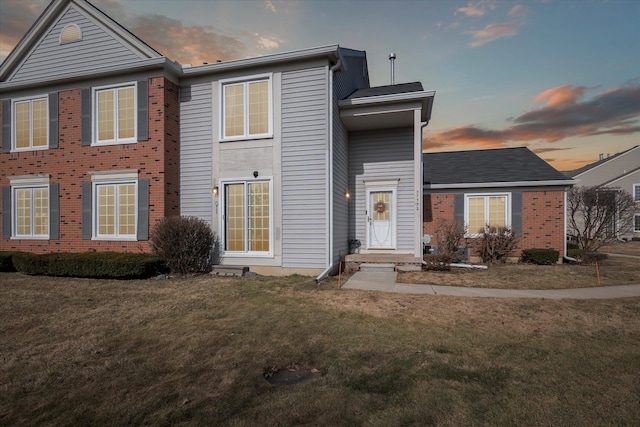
x,y
193,351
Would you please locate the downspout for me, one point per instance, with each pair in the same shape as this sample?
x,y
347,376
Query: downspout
x,y
330,264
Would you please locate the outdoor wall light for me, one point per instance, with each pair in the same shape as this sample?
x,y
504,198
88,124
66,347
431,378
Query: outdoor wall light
x,y
215,191
255,174
346,194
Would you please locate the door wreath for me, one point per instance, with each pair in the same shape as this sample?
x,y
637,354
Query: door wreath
x,y
380,207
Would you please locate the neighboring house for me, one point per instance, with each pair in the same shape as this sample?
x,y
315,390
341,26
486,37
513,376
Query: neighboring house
x,y
288,156
621,170
509,187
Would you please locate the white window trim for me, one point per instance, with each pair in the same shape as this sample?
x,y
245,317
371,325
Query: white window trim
x,y
112,178
94,115
636,188
222,217
28,182
387,185
14,142
467,196
247,79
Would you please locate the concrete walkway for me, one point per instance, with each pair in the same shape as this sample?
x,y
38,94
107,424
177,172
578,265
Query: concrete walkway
x,y
384,282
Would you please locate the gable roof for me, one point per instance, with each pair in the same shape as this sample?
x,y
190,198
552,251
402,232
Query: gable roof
x,y
586,168
489,168
50,16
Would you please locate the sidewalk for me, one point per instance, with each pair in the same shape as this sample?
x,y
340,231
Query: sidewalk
x,y
384,282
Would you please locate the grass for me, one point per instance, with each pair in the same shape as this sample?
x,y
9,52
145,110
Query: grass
x,y
193,351
612,271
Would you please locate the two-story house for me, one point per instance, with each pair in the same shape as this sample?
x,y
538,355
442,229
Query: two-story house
x,y
288,156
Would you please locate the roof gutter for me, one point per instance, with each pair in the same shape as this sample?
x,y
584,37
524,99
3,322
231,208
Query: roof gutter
x,y
501,184
330,262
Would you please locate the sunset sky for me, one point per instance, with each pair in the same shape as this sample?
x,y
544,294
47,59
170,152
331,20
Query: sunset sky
x,y
561,77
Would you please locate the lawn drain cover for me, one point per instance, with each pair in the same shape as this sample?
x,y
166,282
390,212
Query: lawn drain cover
x,y
290,376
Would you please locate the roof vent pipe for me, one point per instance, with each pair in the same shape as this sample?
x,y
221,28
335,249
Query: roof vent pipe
x,y
392,58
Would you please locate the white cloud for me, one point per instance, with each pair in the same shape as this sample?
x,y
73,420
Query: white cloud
x,y
270,6
518,11
471,10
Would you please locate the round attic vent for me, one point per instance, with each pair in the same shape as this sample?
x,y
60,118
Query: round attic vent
x,y
70,33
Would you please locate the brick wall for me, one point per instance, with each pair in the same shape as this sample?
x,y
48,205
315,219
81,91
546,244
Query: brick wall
x,y
69,165
542,219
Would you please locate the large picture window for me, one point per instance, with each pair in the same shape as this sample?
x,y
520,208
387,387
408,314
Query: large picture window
x,y
246,109
247,217
486,210
31,124
115,114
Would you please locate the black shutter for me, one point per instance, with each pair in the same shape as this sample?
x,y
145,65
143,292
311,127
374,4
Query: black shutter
x,y
458,208
143,110
143,209
6,212
6,126
54,211
85,111
87,202
53,120
516,212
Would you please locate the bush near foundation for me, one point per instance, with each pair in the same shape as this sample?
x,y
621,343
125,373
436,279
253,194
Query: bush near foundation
x,y
6,261
540,256
437,262
187,244
110,265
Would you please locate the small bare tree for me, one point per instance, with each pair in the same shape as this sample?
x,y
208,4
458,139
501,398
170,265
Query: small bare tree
x,y
598,215
497,244
449,234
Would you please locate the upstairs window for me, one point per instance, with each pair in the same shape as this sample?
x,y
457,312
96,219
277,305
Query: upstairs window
x,y
115,114
636,192
31,124
246,109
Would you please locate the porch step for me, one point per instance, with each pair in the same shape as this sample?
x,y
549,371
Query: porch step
x,y
371,267
229,270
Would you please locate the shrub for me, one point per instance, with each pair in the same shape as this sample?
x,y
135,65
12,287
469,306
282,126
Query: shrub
x,y
593,257
496,245
449,234
437,262
575,253
572,245
187,244
6,261
89,264
540,256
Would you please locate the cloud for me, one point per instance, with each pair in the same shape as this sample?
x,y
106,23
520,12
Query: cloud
x,y
614,112
270,6
492,32
193,44
471,10
15,19
518,11
266,42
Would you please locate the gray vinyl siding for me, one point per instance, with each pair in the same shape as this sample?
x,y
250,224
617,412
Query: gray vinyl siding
x,y
340,185
383,155
196,151
304,168
97,49
610,170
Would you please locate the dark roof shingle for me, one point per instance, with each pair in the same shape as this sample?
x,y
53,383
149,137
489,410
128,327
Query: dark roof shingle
x,y
484,166
387,90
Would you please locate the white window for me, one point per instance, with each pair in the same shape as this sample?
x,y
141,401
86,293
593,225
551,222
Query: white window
x,y
70,33
247,218
636,192
30,124
115,210
492,210
30,207
246,108
636,223
115,114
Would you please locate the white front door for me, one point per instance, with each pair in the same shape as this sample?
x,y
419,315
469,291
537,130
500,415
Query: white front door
x,y
381,219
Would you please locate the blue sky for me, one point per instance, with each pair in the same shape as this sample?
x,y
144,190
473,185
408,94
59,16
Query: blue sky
x,y
561,77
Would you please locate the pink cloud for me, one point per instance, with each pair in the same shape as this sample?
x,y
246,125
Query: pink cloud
x,y
471,10
492,32
561,95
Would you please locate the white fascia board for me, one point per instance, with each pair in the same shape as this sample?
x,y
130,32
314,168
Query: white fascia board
x,y
332,51
169,67
502,184
396,97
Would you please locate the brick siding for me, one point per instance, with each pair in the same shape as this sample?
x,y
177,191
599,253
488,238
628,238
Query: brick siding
x,y
69,165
